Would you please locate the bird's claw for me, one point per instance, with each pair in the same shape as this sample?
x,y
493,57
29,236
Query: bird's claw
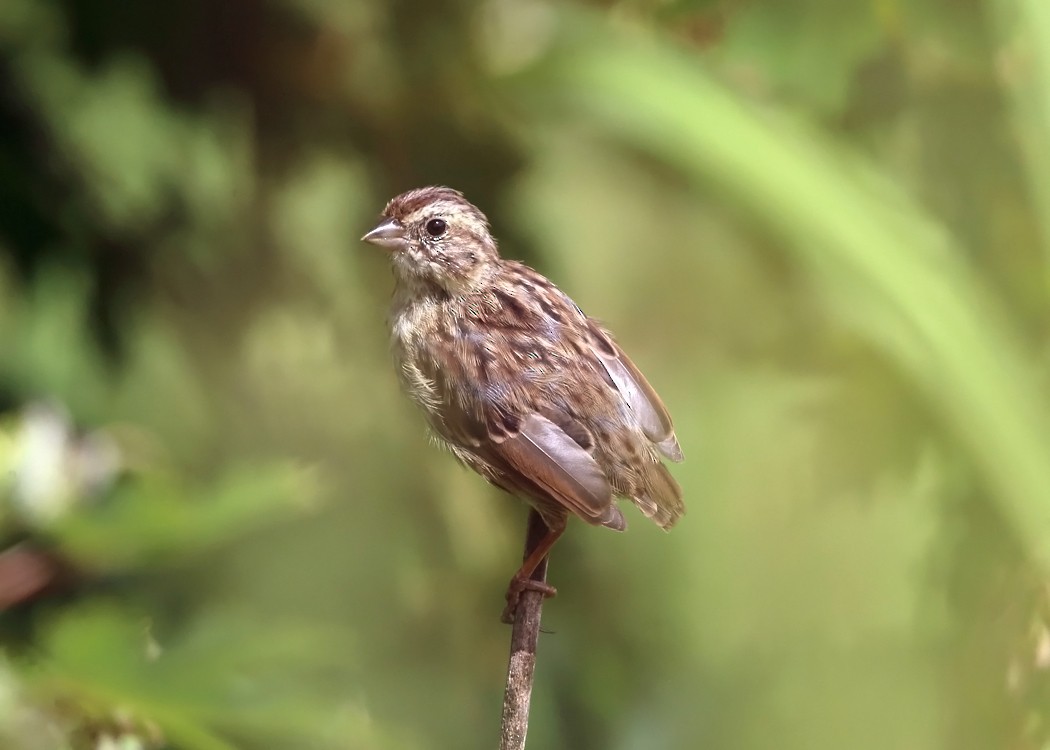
x,y
514,591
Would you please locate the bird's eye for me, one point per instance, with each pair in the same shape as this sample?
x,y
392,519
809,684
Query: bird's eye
x,y
436,227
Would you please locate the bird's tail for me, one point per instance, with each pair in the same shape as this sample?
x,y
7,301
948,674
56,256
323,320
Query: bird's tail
x,y
661,496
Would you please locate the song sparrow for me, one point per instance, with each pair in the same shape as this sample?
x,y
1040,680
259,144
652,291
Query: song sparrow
x,y
516,380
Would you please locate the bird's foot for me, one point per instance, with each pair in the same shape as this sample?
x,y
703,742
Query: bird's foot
x,y
514,591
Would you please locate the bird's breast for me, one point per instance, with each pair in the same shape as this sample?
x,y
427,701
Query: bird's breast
x,y
413,327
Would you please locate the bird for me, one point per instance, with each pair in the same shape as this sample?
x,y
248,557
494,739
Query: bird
x,y
517,381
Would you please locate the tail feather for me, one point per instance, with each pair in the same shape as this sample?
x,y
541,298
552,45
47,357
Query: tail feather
x,y
613,519
661,499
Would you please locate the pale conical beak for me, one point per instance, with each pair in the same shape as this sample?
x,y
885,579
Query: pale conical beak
x,y
388,233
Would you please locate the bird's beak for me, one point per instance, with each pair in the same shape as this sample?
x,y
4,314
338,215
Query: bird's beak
x,y
388,233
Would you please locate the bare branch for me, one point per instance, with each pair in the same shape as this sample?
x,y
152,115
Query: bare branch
x,y
523,639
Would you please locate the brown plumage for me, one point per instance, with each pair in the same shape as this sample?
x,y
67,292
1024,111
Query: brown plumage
x,y
515,379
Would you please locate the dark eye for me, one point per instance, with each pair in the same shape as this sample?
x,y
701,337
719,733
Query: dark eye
x,y
436,227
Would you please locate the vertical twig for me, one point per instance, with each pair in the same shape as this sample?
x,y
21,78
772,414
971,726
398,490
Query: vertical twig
x,y
523,639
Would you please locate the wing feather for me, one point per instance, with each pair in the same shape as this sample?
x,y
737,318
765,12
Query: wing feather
x,y
546,456
662,499
641,397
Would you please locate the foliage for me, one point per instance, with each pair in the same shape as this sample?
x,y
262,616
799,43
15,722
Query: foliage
x,y
819,227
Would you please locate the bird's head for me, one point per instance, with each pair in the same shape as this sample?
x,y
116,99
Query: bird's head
x,y
436,236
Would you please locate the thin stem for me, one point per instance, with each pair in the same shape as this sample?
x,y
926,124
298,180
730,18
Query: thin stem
x,y
523,639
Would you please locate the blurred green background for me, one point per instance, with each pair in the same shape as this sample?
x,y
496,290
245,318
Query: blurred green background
x,y
822,228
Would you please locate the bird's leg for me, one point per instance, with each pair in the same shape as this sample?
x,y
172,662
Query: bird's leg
x,y
541,540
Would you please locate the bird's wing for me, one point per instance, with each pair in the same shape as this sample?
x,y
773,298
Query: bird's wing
x,y
543,455
526,455
635,390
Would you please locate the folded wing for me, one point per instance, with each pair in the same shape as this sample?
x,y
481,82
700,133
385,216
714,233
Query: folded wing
x,y
635,390
544,455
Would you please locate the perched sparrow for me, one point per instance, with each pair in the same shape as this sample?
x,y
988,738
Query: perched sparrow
x,y
516,380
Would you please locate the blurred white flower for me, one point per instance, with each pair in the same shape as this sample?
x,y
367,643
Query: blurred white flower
x,y
54,468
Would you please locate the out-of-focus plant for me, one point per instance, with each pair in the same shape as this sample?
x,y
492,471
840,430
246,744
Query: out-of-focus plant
x,y
105,658
817,225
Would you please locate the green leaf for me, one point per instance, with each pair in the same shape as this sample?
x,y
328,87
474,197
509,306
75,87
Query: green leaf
x,y
810,49
155,518
225,672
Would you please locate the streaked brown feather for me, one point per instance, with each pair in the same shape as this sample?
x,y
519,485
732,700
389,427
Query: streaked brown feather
x,y
544,454
662,499
523,386
641,397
